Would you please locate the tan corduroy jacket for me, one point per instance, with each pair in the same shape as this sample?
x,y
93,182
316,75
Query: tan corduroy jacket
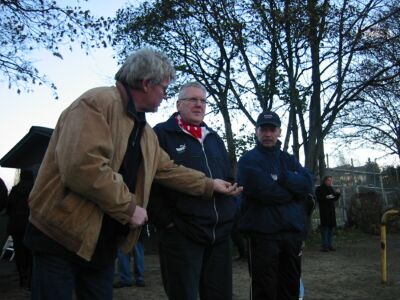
x,y
78,181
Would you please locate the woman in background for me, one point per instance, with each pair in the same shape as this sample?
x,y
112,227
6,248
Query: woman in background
x,y
18,211
326,197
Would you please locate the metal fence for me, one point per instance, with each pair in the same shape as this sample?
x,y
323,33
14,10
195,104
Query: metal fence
x,y
389,197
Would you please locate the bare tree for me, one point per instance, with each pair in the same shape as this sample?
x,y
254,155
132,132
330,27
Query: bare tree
x,y
373,122
306,58
32,24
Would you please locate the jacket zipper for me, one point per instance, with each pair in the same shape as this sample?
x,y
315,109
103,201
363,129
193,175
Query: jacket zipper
x,y
214,203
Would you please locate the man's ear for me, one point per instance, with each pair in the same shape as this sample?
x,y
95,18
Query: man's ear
x,y
177,105
145,85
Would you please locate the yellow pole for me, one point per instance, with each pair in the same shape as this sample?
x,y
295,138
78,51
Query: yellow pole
x,y
383,253
384,220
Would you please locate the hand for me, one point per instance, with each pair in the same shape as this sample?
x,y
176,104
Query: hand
x,y
139,217
236,190
224,187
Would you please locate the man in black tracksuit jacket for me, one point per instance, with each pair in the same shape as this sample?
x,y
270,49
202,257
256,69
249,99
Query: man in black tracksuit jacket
x,y
275,191
194,233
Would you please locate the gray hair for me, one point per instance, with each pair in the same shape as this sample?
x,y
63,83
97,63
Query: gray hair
x,y
145,64
195,84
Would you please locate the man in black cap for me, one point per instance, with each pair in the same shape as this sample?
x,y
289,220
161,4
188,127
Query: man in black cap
x,y
275,188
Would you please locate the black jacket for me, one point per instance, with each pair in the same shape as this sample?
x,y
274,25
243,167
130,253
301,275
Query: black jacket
x,y
326,197
3,195
17,207
205,221
275,191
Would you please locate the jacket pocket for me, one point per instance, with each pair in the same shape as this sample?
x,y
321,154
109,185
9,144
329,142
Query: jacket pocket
x,y
72,212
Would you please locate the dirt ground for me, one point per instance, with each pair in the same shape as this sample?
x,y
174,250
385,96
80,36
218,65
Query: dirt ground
x,y
350,273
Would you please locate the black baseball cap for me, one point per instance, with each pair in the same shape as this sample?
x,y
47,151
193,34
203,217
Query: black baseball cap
x,y
268,118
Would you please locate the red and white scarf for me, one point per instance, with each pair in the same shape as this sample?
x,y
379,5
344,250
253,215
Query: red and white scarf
x,y
198,132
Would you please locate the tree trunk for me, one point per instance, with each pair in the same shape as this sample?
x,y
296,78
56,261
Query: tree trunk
x,y
231,148
315,125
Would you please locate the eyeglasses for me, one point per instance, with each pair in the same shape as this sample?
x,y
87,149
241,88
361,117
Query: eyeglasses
x,y
195,100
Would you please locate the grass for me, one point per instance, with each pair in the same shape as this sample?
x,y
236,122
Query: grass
x,y
341,236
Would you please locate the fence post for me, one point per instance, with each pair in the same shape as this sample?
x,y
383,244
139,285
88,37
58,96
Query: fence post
x,y
385,217
344,210
383,191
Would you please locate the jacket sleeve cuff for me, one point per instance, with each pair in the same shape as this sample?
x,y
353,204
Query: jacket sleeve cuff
x,y
282,179
132,206
208,189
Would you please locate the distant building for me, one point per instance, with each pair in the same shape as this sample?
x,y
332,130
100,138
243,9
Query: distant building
x,y
28,153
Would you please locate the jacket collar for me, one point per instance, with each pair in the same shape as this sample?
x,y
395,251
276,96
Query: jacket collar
x,y
123,93
129,103
273,150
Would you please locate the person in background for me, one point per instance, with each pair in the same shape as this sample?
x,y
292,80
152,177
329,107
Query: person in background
x,y
90,194
194,235
275,187
124,263
17,210
326,198
3,194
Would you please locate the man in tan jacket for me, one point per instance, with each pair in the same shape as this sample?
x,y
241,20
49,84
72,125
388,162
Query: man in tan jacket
x,y
93,186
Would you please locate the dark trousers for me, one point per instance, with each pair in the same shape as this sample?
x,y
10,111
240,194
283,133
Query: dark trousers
x,y
275,268
55,278
238,239
189,268
23,260
240,243
326,237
